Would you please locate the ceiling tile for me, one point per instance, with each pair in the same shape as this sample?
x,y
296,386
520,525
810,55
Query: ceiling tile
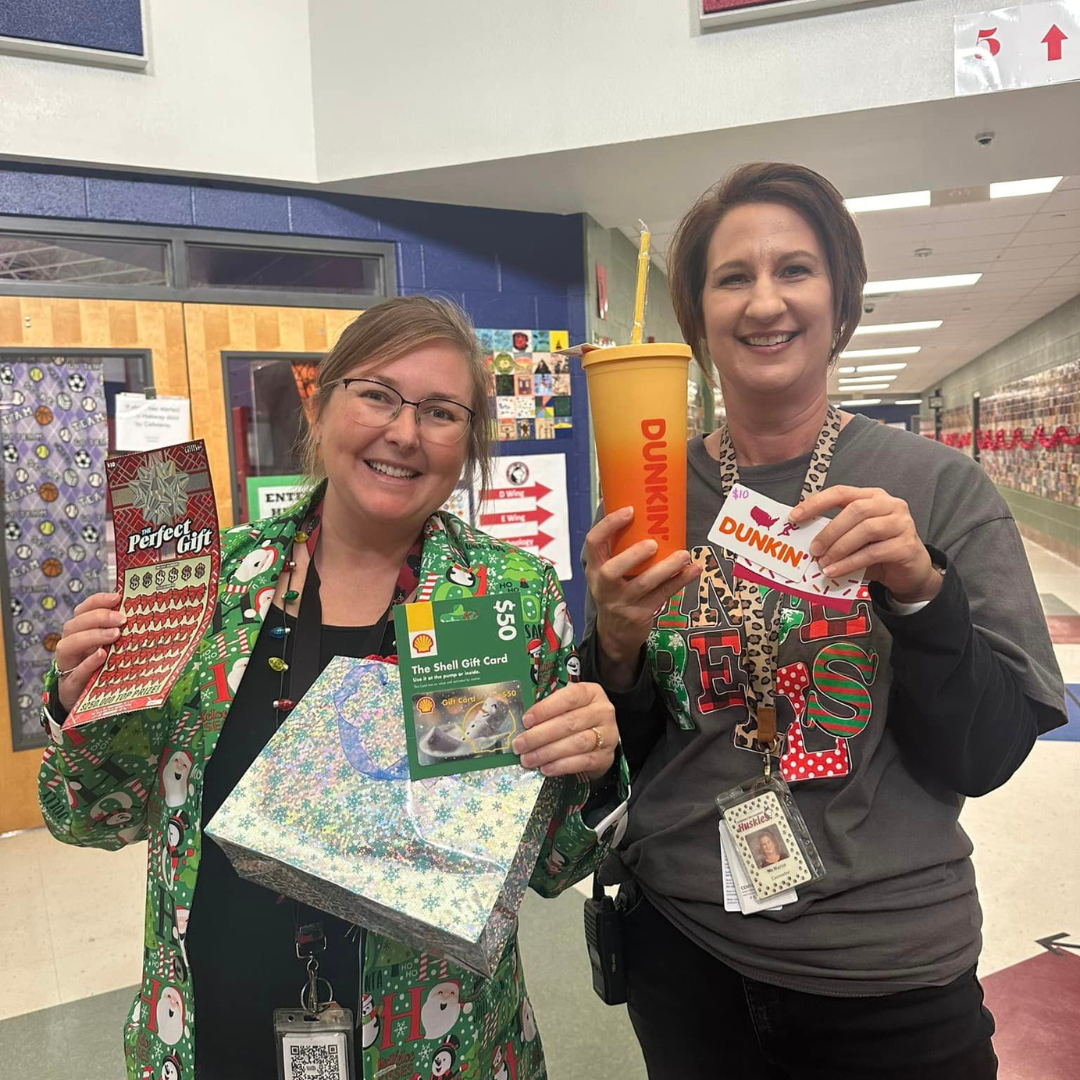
x,y
1059,240
1059,219
993,209
1007,226
1062,200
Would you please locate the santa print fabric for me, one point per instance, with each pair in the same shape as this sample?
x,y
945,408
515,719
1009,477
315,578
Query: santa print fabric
x,y
117,781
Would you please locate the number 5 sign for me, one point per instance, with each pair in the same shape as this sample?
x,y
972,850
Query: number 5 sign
x,y
1017,47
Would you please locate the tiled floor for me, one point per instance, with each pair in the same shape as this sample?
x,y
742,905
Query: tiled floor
x,y
71,928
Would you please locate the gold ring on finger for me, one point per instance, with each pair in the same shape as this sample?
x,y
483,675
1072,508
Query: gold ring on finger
x,y
599,739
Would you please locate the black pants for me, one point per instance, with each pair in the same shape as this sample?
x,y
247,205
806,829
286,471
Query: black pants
x,y
697,1019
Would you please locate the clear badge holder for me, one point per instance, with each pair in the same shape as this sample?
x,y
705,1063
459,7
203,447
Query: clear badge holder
x,y
769,836
314,1044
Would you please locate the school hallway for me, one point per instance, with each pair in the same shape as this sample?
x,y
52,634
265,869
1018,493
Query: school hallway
x,y
71,932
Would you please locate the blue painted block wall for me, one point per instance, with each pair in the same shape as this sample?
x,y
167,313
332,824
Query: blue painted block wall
x,y
113,25
509,269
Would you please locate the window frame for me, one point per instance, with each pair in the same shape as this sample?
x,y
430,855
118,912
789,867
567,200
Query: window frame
x,y
176,239
239,491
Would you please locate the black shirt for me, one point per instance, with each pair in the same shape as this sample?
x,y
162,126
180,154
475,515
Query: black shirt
x,y
240,940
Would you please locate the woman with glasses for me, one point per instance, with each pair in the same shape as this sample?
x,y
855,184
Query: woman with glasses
x,y
399,412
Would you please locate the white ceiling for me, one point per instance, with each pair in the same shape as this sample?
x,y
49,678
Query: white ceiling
x,y
1028,257
1027,249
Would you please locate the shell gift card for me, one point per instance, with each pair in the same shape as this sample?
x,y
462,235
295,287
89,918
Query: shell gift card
x,y
466,682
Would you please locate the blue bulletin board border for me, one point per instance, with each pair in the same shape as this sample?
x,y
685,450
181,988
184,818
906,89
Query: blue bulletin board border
x,y
108,32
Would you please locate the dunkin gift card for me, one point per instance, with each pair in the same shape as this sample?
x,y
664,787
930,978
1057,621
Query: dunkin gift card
x,y
771,550
167,561
466,682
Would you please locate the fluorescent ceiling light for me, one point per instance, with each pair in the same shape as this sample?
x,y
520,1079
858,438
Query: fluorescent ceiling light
x,y
895,350
858,388
898,201
948,281
909,401
898,327
846,370
863,401
852,379
880,367
1011,188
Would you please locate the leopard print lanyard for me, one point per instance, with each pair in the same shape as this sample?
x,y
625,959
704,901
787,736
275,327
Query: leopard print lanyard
x,y
745,606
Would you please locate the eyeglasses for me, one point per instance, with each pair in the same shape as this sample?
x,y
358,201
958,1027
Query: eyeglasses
x,y
374,404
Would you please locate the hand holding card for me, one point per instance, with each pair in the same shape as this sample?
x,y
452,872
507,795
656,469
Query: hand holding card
x,y
167,561
772,549
873,535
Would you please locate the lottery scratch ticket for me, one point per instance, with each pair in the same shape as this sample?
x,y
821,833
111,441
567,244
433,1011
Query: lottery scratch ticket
x,y
167,561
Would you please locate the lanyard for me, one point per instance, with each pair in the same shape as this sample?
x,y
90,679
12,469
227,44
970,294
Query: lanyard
x,y
310,940
745,604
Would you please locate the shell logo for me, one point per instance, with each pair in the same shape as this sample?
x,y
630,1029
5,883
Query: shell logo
x,y
425,705
423,643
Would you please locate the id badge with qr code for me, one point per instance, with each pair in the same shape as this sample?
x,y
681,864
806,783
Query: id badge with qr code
x,y
769,836
314,1046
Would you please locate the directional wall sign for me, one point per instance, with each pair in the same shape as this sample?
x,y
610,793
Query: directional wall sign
x,y
526,506
1017,47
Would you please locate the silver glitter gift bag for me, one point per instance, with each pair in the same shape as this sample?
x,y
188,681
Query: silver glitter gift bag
x,y
327,814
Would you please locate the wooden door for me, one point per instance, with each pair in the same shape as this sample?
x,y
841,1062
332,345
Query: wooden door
x,y
217,329
40,323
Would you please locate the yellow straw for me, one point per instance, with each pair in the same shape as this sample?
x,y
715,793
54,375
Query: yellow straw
x,y
642,281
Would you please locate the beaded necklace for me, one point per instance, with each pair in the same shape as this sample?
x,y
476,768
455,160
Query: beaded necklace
x,y
407,581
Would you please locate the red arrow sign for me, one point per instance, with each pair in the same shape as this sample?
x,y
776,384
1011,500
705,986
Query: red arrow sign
x,y
537,491
539,539
1054,37
520,517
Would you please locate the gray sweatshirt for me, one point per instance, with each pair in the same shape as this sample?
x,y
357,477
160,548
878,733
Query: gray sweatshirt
x,y
883,713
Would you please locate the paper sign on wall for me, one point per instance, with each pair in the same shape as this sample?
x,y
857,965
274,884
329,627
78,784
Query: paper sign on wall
x,y
149,423
268,495
526,505
1016,47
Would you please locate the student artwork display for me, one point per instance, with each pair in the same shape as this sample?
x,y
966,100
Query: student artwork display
x,y
55,439
1029,433
1050,400
528,385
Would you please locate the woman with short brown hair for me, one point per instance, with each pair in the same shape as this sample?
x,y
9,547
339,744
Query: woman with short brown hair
x,y
932,687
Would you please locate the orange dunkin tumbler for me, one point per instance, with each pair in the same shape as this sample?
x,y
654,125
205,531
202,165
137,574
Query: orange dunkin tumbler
x,y
637,396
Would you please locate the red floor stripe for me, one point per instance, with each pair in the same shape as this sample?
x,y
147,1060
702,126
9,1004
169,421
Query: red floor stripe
x,y
1064,629
1036,1004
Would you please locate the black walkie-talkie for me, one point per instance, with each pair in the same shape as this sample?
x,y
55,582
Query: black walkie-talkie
x,y
603,935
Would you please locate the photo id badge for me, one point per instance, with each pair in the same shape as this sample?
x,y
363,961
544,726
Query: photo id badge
x,y
769,837
314,1045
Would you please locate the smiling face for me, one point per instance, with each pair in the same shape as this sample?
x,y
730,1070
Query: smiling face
x,y
767,304
391,475
767,847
